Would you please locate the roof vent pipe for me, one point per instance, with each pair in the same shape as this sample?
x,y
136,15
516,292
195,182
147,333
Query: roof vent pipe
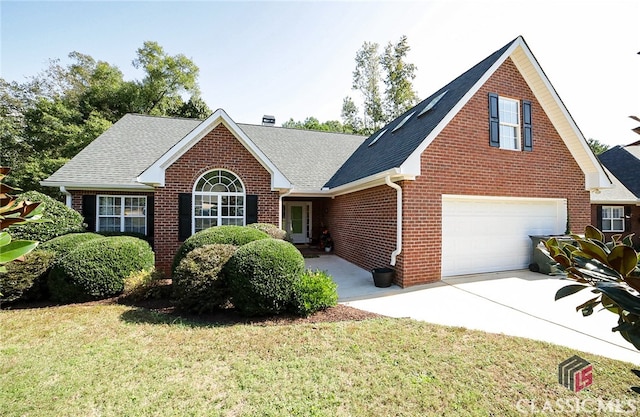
x,y
268,120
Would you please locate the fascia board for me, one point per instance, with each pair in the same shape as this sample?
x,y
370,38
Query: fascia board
x,y
74,186
155,174
370,181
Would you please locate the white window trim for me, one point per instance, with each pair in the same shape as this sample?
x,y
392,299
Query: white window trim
x,y
122,215
218,196
611,229
518,126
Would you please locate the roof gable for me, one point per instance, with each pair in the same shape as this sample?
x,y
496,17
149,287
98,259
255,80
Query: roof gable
x,y
155,174
397,151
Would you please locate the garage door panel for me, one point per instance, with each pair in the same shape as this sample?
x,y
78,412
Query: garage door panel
x,y
492,234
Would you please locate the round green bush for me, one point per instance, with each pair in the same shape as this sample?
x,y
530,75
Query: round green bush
x,y
315,291
228,235
64,244
63,219
98,268
26,280
270,229
199,284
262,276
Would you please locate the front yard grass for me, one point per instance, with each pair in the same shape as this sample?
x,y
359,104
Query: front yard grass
x,y
116,360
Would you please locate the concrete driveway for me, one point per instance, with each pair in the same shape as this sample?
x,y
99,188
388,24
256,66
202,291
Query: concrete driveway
x,y
516,303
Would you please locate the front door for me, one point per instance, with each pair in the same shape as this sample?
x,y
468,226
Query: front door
x,y
298,220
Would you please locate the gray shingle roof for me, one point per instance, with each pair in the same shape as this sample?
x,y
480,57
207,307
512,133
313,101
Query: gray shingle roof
x,y
393,148
127,148
131,145
307,158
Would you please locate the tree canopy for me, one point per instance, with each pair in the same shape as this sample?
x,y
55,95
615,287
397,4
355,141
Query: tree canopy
x,y
48,119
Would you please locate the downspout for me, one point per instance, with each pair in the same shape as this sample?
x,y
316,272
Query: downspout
x,y
396,252
67,195
280,207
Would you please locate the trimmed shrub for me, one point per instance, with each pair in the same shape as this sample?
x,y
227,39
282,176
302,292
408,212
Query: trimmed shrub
x,y
143,285
199,284
315,291
26,280
227,235
270,229
64,244
98,268
63,220
263,275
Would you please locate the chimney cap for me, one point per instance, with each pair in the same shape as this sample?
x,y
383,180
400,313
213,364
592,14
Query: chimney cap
x,y
268,120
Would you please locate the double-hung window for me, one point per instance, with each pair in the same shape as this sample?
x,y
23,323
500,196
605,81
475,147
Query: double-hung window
x,y
510,123
509,115
122,214
613,218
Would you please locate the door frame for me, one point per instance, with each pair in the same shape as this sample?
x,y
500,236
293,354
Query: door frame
x,y
306,220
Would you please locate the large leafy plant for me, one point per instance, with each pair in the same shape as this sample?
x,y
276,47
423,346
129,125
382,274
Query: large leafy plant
x,y
609,268
14,212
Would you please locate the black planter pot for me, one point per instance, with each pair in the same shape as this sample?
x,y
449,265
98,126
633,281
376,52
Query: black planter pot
x,y
382,277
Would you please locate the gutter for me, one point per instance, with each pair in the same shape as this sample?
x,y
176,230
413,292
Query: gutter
x,y
395,253
280,206
67,195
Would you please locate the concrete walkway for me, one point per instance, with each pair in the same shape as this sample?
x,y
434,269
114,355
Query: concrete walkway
x,y
516,303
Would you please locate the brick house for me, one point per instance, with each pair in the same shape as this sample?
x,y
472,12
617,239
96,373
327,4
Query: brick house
x,y
617,210
454,186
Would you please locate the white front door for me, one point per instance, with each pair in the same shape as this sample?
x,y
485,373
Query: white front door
x,y
297,220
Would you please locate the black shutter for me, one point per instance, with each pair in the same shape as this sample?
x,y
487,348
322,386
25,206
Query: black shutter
x,y
89,211
526,121
627,219
150,209
494,121
252,209
599,217
184,216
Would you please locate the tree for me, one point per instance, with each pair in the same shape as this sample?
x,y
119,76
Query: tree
x,y
597,147
399,93
166,78
48,119
311,123
368,79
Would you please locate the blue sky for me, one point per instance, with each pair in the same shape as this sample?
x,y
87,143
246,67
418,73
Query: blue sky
x,y
295,59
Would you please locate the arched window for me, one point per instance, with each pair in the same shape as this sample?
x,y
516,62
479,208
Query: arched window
x,y
218,199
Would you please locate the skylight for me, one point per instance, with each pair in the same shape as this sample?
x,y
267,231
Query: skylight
x,y
433,103
403,122
377,137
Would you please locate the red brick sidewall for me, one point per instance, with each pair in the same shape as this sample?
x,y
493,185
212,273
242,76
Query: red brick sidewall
x,y
219,149
459,161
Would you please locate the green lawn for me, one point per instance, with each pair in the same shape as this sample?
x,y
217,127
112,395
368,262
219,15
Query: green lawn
x,y
115,360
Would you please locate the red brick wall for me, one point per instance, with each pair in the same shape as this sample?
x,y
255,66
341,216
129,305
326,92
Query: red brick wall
x,y
458,161
363,226
219,149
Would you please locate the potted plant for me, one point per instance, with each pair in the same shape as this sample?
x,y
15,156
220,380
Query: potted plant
x,y
382,277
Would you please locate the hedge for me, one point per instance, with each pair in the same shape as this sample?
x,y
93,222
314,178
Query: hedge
x,y
98,268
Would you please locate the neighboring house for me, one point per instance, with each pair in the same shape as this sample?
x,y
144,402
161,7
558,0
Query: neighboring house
x,y
454,186
617,210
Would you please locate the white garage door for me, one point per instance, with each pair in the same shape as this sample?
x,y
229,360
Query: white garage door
x,y
485,234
